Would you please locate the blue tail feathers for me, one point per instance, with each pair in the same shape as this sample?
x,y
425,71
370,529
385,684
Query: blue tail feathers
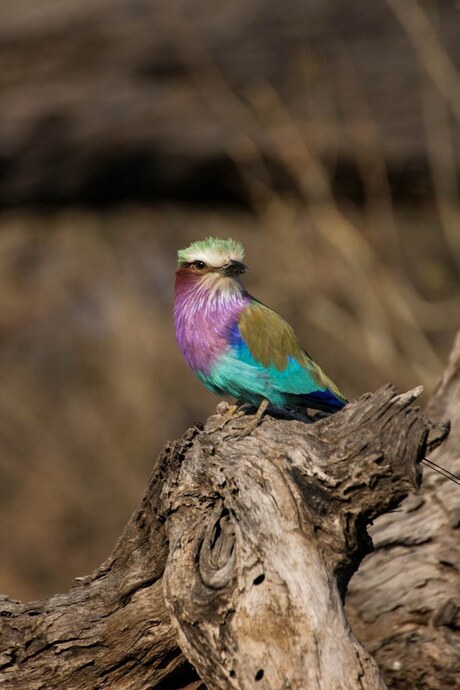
x,y
322,400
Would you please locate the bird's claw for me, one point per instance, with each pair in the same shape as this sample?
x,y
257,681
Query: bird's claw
x,y
233,412
252,424
241,433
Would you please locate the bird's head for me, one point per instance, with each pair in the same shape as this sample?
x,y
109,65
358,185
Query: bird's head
x,y
213,263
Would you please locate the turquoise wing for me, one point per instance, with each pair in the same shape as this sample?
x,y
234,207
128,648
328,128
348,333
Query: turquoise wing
x,y
265,360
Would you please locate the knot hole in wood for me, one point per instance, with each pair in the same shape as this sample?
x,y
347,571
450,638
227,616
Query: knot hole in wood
x,y
217,550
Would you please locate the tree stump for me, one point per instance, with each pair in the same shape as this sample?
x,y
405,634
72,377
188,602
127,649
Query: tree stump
x,y
237,560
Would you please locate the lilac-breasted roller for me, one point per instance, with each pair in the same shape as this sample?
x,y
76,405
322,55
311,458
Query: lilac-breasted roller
x,y
235,344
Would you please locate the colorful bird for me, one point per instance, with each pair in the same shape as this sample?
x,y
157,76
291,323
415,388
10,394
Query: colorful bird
x,y
235,344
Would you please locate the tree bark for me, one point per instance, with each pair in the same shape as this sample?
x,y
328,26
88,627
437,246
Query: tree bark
x,y
238,558
404,602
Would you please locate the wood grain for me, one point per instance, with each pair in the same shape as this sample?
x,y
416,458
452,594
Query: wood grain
x,y
238,559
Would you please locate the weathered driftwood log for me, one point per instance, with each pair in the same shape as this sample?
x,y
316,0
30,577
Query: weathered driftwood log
x,y
404,603
242,546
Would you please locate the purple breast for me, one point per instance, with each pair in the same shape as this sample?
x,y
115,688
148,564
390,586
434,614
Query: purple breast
x,y
203,324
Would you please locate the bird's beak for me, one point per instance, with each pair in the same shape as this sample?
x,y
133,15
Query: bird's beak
x,y
233,268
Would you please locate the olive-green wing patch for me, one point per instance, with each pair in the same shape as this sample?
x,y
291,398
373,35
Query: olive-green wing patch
x,y
269,337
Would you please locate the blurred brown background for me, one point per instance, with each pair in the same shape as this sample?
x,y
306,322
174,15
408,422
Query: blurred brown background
x,y
323,134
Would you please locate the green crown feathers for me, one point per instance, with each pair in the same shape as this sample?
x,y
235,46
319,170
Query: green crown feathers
x,y
213,246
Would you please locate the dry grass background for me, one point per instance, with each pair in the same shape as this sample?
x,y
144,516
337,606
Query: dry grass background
x,y
92,384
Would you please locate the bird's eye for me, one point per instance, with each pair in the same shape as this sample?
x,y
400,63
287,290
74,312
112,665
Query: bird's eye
x,y
199,265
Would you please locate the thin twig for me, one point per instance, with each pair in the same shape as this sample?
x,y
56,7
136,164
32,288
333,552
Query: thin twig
x,y
441,470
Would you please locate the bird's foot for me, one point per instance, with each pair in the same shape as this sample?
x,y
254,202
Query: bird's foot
x,y
252,424
232,412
